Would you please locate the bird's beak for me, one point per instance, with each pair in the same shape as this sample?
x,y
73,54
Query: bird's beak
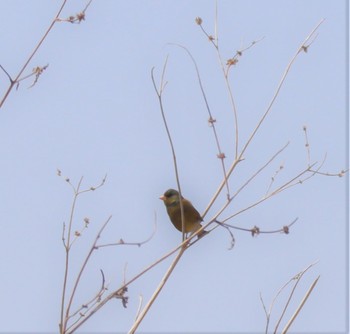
x,y
162,197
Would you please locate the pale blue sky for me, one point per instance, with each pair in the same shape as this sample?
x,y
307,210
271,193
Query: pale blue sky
x,y
94,111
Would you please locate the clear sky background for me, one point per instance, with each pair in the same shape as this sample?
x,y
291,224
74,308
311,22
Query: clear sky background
x,y
94,111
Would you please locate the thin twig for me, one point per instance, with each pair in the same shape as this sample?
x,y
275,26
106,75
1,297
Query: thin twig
x,y
340,174
239,157
121,242
273,178
14,81
298,279
279,87
225,70
211,119
126,284
255,230
87,305
67,249
139,307
159,93
157,291
7,74
92,249
260,170
245,184
285,329
307,145
288,184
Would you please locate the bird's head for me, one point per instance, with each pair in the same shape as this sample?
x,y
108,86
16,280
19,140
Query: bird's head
x,y
170,197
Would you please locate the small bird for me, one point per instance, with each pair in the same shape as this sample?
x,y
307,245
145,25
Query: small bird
x,y
193,219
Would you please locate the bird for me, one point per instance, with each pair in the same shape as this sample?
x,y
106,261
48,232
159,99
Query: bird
x,y
193,219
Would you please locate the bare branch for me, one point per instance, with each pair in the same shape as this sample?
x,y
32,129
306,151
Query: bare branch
x,y
124,243
239,156
38,70
139,307
159,93
256,230
157,291
295,278
211,120
89,304
285,329
120,290
32,54
279,87
7,74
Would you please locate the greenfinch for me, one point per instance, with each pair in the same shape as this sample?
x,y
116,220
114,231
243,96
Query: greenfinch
x,y
193,219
